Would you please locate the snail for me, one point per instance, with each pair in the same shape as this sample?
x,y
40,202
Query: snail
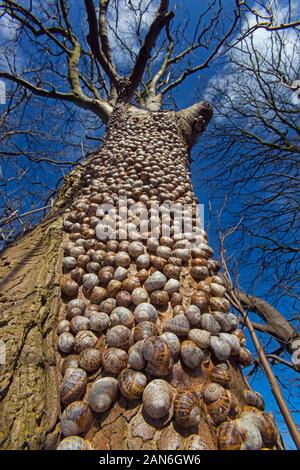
x,y
74,443
212,392
132,383
219,304
219,409
157,398
193,314
123,299
143,261
114,360
154,282
120,273
90,359
179,325
221,375
144,330
139,296
217,290
244,357
201,300
176,299
73,385
159,298
191,354
173,343
157,354
98,294
220,348
122,259
172,271
69,287
135,356
113,288
254,399
119,337
108,305
172,286
102,394
131,283
230,437
84,340
122,316
136,249
99,321
268,430
199,272
66,342
252,440
200,337
90,280
76,418
194,442
240,335
187,408
63,326
69,263
209,323
145,312
69,361
79,323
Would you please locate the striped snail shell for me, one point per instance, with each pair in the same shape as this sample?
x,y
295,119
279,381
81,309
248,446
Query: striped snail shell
x,y
73,385
187,409
99,321
157,354
159,298
163,251
132,383
244,357
157,398
209,323
154,282
143,261
90,359
172,286
201,300
240,335
79,323
191,354
123,299
193,314
74,443
114,360
219,409
230,437
212,392
219,304
145,312
76,303
69,287
102,394
69,361
179,325
63,326
84,340
135,356
199,272
194,442
232,341
221,375
90,310
139,296
173,343
122,316
200,337
217,290
98,294
119,337
144,330
90,280
254,399
76,418
253,440
66,342
220,348
268,430
172,271
108,305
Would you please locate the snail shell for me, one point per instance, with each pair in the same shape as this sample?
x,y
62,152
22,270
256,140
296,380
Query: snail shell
x,y
219,409
144,330
268,430
69,287
90,280
194,442
254,399
76,418
200,337
240,335
221,375
99,321
157,398
209,323
131,283
244,357
230,437
123,299
79,323
172,286
193,314
120,273
102,394
179,325
98,294
157,353
77,304
63,326
139,296
187,409
212,392
122,259
219,304
253,440
114,360
74,443
217,290
173,343
155,282
136,249
69,263
171,270
143,262
66,342
201,300
199,272
145,312
132,383
135,355
73,385
118,337
122,316
159,298
69,361
90,359
84,340
220,348
108,305
191,354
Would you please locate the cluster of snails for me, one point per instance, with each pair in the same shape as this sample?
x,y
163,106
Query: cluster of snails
x,y
117,289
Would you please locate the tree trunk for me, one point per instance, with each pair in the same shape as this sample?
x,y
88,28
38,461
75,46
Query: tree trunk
x,y
145,156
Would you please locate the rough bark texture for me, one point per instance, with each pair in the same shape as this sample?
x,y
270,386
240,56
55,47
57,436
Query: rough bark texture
x,y
143,154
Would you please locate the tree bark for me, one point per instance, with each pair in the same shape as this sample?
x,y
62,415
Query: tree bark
x,y
136,142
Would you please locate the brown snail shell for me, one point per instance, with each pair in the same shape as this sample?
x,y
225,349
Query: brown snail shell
x,y
219,304
135,355
123,299
139,296
230,437
69,362
113,288
77,274
254,399
193,314
102,394
131,283
118,337
199,272
84,340
157,353
191,354
187,409
66,342
99,321
105,275
122,316
179,325
74,443
219,409
172,286
90,280
108,305
122,259
159,298
114,360
176,299
77,304
157,398
76,418
201,300
221,375
212,392
142,275
98,294
268,430
240,335
144,330
69,287
145,312
73,385
132,383
172,271
173,343
200,337
244,357
79,323
157,262
63,326
194,442
90,359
